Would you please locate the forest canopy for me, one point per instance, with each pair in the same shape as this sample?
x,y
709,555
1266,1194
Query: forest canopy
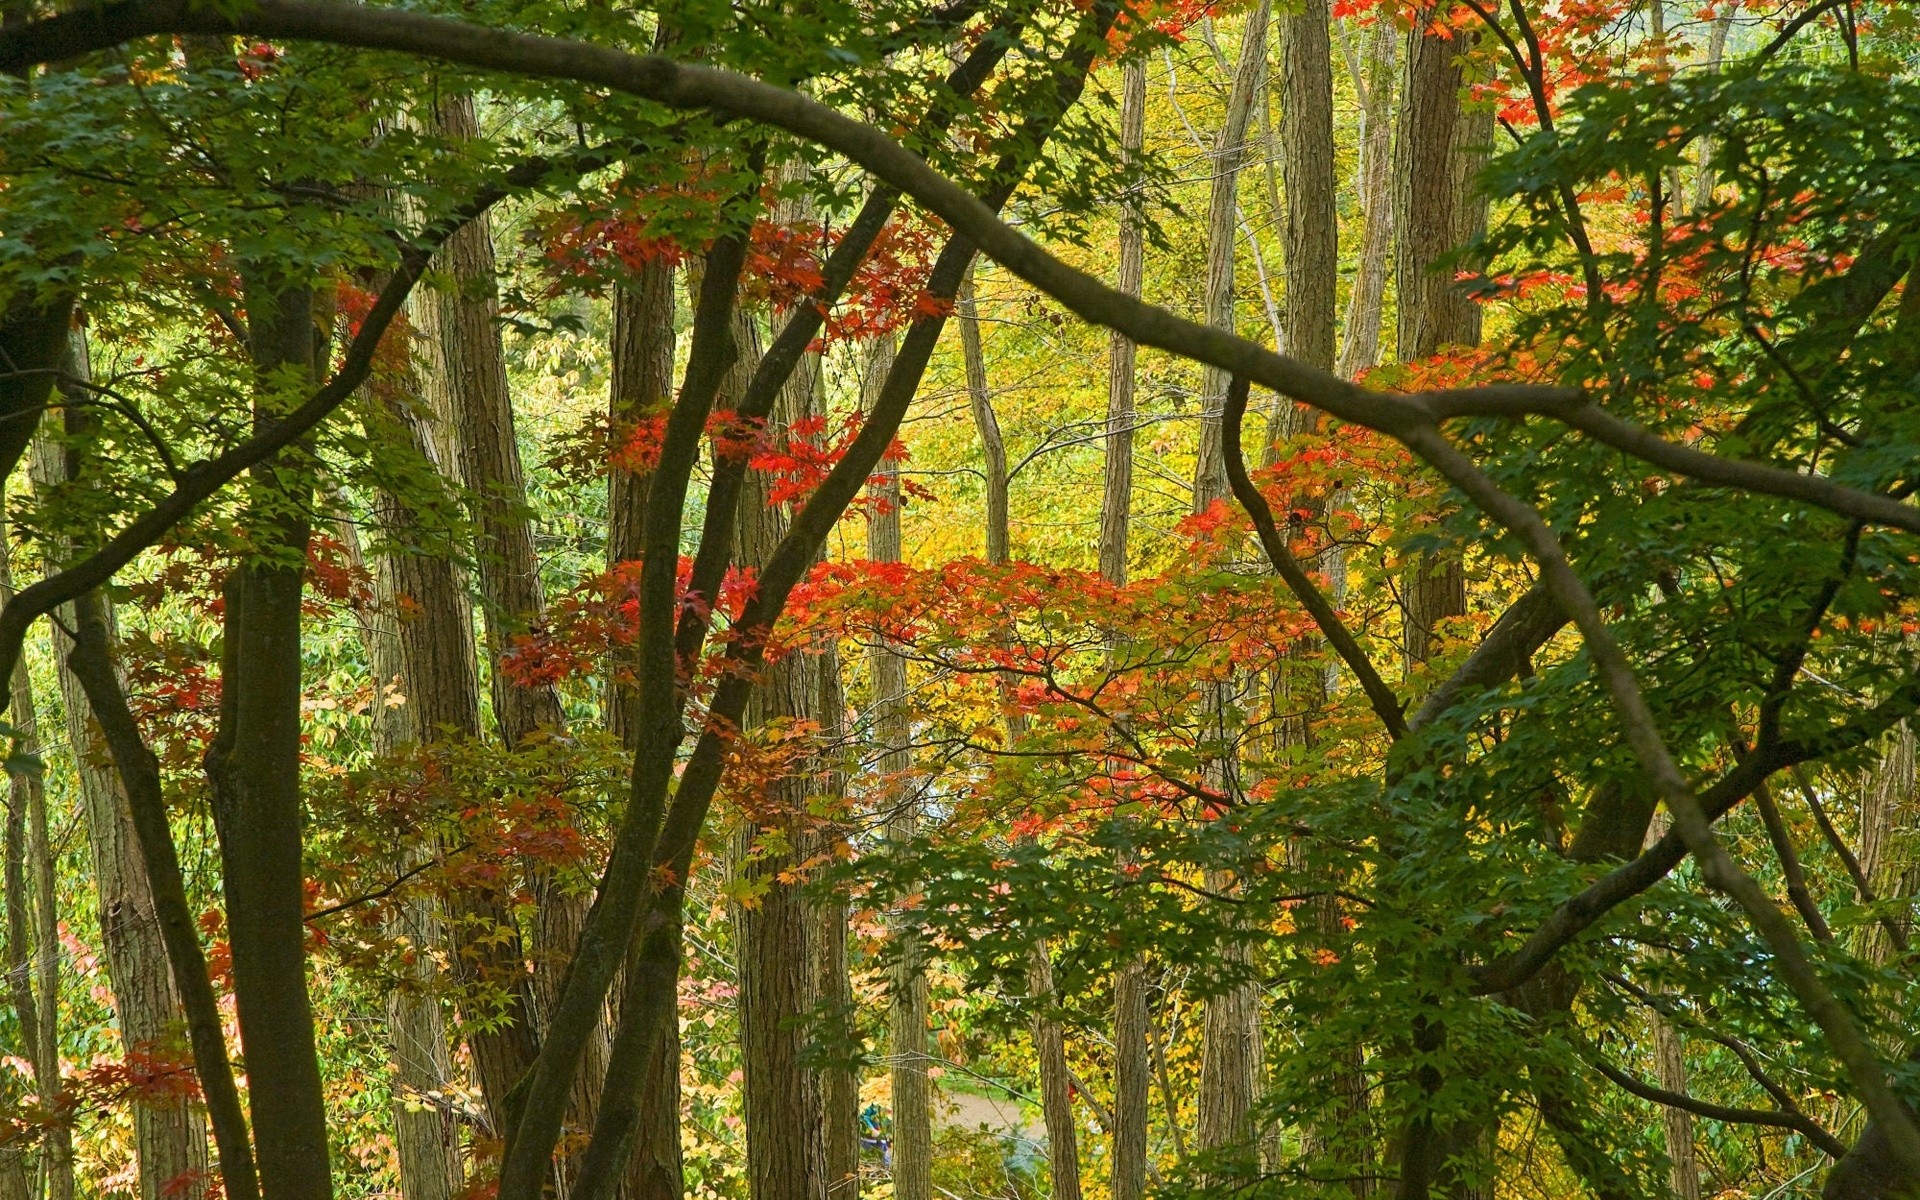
x,y
1039,600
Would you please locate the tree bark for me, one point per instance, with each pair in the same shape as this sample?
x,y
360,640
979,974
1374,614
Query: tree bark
x,y
470,377
785,1122
1313,230
1229,153
642,386
1366,303
1671,1068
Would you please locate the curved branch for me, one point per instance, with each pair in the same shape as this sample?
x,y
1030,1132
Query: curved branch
x,y
1800,1123
1386,706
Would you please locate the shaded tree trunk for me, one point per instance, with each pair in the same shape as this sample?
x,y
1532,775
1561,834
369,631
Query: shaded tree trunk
x,y
785,1122
253,770
643,341
1670,1066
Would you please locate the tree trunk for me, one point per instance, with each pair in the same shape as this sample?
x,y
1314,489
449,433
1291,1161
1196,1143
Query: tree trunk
x,y
170,1135
1229,152
470,376
907,1005
1313,230
642,385
33,917
1671,1068
426,659
1367,301
1131,1073
253,769
786,1137
1049,1043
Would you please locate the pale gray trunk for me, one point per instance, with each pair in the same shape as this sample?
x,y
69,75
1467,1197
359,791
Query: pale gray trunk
x,y
1131,1075
1229,153
170,1136
1366,303
1706,178
1049,1042
907,1005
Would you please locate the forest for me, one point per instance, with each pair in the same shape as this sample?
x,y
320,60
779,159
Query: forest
x,y
959,599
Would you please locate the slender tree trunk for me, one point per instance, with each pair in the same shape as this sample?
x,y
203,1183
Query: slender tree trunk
x,y
642,386
1229,153
1049,1042
1131,1074
833,991
1706,178
32,904
907,1005
1313,229
1366,303
253,768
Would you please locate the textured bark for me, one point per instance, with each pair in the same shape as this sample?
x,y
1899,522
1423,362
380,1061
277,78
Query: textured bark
x,y
1430,144
1313,231
1366,303
1706,177
253,770
642,384
1229,153
422,662
470,377
907,1006
1131,1074
170,1136
1229,1065
785,1123
1670,1067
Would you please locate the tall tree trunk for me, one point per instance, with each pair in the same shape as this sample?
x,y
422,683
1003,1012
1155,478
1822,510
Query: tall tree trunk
x,y
426,658
253,769
907,1006
33,916
833,990
1230,1051
642,386
1706,177
1313,230
1366,303
786,1137
170,1135
1229,153
1049,1042
470,375
1131,1073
